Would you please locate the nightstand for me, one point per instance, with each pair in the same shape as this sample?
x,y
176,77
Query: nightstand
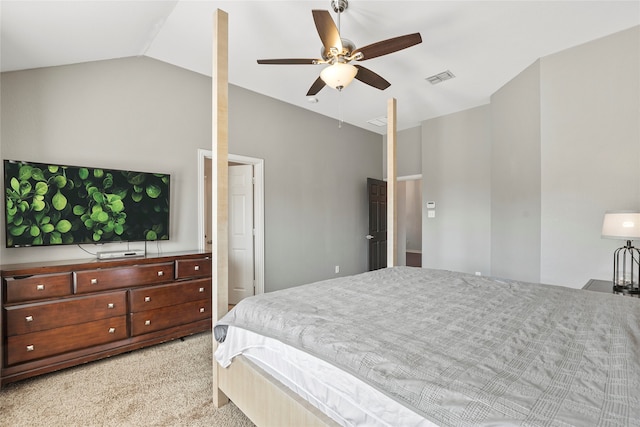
x,y
599,286
604,286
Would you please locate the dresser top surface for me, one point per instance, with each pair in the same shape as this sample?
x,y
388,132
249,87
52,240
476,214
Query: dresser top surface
x,y
47,267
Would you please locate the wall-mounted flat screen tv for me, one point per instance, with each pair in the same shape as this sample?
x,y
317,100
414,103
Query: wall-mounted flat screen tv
x,y
49,204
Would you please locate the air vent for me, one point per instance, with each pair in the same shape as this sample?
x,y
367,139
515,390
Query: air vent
x,y
440,77
379,121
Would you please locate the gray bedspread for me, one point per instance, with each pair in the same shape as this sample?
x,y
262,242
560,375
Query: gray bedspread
x,y
464,350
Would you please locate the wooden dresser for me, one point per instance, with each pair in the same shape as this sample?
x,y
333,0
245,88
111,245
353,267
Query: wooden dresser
x,y
60,314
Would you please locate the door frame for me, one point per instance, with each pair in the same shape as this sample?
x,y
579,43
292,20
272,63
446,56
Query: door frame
x,y
258,209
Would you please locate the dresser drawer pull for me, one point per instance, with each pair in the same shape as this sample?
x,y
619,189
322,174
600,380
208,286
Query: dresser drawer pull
x,y
201,290
39,287
147,299
160,273
112,330
196,268
147,322
30,347
110,305
29,318
201,309
94,281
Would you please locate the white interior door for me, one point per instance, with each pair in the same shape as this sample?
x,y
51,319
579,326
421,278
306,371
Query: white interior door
x,y
241,241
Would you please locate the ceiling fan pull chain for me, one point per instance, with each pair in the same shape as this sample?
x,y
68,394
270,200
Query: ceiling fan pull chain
x,y
340,109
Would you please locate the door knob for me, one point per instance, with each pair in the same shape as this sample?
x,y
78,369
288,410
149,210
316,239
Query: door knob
x,y
369,237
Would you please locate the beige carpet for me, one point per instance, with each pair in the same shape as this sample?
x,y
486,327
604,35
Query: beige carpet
x,y
164,385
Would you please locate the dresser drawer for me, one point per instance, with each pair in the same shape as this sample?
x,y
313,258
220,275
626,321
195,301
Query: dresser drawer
x,y
192,268
122,277
37,287
24,319
167,317
36,345
150,298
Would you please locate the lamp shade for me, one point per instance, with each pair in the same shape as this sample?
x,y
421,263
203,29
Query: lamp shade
x,y
621,225
338,75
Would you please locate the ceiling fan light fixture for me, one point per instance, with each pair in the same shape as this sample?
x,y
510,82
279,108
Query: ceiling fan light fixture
x,y
338,75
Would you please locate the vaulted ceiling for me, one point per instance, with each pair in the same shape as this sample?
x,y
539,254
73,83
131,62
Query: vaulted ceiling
x,y
483,44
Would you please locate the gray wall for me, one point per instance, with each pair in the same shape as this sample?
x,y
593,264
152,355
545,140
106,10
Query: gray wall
x,y
515,178
590,151
408,149
315,186
136,114
564,147
142,114
456,175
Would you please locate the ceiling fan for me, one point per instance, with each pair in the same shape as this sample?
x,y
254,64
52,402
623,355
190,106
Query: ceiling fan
x,y
339,52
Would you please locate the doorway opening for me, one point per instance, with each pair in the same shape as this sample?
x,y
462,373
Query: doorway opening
x,y
409,199
205,192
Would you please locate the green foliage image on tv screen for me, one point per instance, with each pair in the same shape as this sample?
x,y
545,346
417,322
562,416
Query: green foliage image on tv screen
x,y
49,204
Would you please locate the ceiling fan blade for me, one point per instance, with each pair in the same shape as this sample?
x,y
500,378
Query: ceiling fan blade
x,y
389,46
287,61
367,76
316,87
327,30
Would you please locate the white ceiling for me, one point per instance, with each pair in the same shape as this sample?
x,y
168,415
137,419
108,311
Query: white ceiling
x,y
483,43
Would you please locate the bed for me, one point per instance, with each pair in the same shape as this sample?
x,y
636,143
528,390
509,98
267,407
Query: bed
x,y
407,346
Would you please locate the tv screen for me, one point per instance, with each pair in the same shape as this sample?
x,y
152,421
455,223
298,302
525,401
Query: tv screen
x,y
48,204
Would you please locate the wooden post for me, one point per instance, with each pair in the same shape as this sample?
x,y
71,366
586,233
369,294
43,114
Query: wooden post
x,y
392,179
220,175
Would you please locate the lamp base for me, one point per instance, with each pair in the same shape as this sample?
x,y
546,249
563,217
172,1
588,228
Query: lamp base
x,y
627,290
626,270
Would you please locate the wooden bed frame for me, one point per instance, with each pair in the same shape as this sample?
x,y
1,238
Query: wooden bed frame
x,y
265,400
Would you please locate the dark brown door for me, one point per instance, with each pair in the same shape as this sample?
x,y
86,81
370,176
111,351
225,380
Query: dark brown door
x,y
377,191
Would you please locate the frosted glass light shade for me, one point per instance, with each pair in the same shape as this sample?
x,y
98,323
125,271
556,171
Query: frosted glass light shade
x,y
338,75
621,225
